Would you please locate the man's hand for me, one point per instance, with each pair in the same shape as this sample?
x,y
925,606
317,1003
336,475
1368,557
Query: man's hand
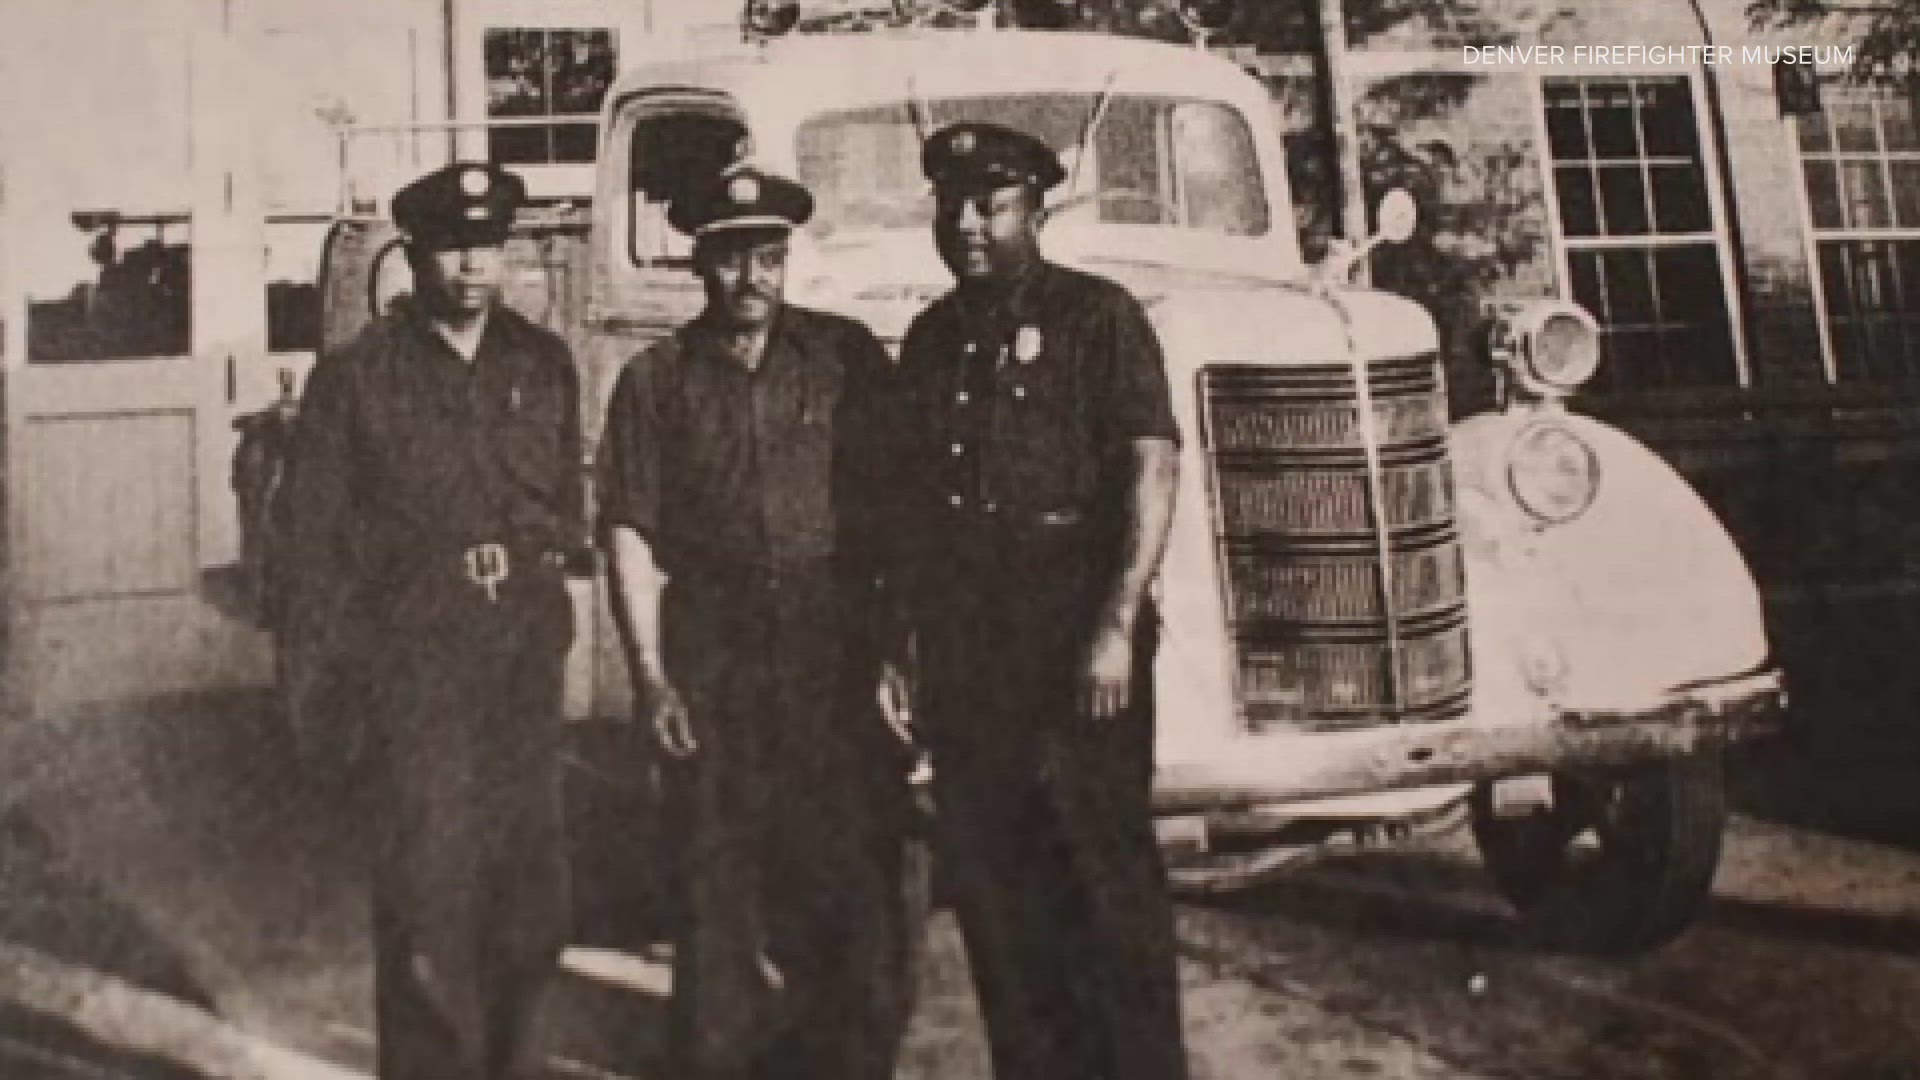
x,y
896,702
1107,685
895,694
1107,688
672,725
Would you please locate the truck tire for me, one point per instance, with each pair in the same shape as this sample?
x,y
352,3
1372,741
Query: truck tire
x,y
1620,863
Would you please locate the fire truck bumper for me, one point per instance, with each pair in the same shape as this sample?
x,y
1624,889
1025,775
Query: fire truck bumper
x,y
1282,766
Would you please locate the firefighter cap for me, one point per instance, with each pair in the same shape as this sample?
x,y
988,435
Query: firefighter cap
x,y
741,197
465,203
981,157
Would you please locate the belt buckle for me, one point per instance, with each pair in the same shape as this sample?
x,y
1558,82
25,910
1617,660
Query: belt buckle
x,y
486,566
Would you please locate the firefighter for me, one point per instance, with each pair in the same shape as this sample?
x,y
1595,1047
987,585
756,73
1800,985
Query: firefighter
x,y
1035,480
736,503
435,495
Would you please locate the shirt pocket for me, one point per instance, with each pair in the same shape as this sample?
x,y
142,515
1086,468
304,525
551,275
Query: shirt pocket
x,y
802,468
530,435
415,451
1043,442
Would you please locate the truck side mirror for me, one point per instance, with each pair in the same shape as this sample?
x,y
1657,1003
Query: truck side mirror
x,y
1205,18
1394,219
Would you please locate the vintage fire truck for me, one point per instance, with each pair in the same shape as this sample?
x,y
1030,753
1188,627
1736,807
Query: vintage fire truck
x,y
1376,618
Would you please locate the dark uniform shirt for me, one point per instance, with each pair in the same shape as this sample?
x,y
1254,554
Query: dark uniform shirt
x,y
1013,482
409,454
1024,403
1018,484
752,488
716,465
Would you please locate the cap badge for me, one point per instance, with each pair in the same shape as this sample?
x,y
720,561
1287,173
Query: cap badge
x,y
475,182
744,190
962,142
476,213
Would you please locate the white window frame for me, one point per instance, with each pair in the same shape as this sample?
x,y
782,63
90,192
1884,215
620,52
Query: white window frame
x,y
548,121
1712,177
632,26
1831,91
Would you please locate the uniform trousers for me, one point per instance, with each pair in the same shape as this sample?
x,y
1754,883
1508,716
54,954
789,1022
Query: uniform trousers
x,y
470,903
789,815
1045,817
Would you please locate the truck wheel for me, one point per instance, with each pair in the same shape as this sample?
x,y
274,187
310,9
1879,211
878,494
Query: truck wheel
x,y
1620,863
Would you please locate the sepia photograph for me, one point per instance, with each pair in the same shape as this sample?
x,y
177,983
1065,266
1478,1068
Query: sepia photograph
x,y
960,540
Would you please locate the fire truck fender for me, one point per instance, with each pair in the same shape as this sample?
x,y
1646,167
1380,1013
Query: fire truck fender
x,y
1195,671
1640,593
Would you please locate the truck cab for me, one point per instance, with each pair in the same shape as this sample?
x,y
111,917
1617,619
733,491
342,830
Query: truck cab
x,y
1375,615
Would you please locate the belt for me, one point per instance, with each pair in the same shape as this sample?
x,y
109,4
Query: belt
x,y
760,577
986,511
489,565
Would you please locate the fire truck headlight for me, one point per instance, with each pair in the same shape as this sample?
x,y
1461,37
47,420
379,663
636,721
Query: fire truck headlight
x,y
1549,348
1553,473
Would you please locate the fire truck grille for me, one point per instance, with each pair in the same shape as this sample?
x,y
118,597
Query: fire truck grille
x,y
1328,497
1328,636
1272,581
1327,685
1334,424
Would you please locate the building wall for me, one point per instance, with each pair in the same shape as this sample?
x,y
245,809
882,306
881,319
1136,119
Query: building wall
x,y
1488,120
123,134
150,128
1810,460
203,125
361,62
169,168
174,113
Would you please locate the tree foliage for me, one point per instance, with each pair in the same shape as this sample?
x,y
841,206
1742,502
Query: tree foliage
x,y
1294,25
1888,34
1480,196
1271,25
881,16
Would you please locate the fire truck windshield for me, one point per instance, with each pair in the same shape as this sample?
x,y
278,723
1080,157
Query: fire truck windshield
x,y
1152,161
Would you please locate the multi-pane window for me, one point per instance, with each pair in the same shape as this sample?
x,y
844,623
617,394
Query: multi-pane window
x,y
1637,224
129,295
1861,161
557,74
